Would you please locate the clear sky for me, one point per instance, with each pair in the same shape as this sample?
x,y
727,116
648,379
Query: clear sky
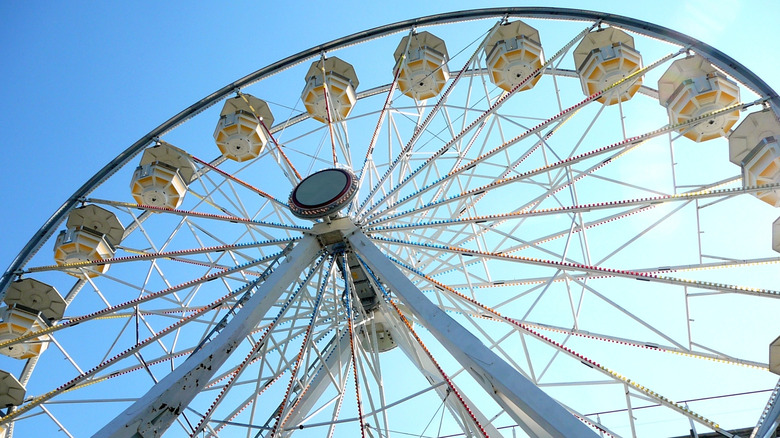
x,y
84,80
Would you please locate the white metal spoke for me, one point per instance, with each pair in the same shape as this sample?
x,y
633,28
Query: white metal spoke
x,y
597,270
477,122
586,208
606,371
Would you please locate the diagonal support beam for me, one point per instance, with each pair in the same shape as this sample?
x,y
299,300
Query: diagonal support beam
x,y
537,413
770,421
154,412
417,356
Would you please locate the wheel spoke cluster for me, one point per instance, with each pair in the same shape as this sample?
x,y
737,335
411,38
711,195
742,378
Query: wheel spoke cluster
x,y
599,244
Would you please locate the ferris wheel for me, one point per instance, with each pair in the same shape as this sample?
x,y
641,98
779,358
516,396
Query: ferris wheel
x,y
500,222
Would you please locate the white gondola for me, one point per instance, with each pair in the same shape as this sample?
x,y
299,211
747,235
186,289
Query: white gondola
x,y
31,305
753,145
36,295
776,235
376,335
329,94
241,133
11,391
692,87
162,177
513,54
423,72
603,58
11,394
91,236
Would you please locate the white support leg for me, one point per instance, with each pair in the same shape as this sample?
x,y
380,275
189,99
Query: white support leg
x,y
427,368
536,412
154,412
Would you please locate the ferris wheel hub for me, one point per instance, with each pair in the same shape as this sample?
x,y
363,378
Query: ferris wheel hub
x,y
323,193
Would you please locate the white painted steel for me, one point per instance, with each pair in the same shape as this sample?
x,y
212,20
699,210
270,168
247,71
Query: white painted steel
x,y
536,412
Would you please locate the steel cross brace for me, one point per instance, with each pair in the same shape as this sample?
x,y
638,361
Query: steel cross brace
x,y
336,359
771,421
536,412
154,412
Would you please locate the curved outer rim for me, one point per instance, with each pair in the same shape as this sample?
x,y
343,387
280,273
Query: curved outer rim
x,y
720,59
